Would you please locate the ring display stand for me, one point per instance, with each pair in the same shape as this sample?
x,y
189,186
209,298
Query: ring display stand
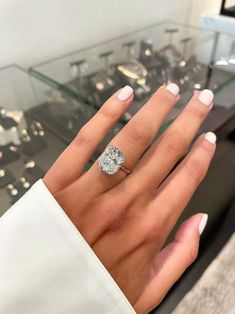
x,y
145,59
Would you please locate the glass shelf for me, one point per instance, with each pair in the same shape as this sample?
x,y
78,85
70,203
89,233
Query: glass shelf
x,y
30,116
192,57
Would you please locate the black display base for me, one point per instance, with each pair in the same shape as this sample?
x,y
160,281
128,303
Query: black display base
x,y
34,174
7,123
7,179
32,148
8,155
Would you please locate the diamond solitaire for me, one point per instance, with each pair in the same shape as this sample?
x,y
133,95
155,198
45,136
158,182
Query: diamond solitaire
x,y
111,160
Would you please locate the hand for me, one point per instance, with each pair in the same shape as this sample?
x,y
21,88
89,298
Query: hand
x,y
127,218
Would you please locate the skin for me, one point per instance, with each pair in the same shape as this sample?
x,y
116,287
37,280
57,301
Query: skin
x,y
127,218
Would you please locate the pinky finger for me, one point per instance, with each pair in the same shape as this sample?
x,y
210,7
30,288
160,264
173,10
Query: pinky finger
x,y
172,262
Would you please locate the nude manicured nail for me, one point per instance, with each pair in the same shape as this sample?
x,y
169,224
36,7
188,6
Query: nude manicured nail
x,y
202,223
210,137
125,93
173,89
206,96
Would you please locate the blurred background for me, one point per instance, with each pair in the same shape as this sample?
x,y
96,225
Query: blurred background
x,y
38,30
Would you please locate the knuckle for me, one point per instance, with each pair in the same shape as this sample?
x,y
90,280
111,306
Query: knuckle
x,y
84,137
190,250
193,253
196,111
208,149
174,143
149,231
109,112
138,136
162,96
196,169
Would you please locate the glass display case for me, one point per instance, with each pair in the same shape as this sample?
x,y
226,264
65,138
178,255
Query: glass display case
x,y
42,109
194,58
27,145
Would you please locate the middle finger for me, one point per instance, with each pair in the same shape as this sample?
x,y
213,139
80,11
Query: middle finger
x,y
134,138
160,159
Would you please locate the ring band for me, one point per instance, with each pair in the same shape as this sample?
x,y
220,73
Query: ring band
x,y
125,169
111,160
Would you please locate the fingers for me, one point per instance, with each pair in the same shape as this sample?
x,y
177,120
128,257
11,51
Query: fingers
x,y
71,162
176,191
172,262
136,136
160,159
152,221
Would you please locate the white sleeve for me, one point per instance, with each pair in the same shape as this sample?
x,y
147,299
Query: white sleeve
x,y
46,266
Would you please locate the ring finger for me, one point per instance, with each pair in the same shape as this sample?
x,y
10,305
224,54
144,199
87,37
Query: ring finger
x,y
133,139
170,146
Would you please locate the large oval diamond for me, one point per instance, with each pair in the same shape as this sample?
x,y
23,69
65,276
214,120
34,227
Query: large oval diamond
x,y
111,160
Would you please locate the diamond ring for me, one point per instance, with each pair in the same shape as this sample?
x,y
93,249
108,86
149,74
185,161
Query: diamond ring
x,y
111,160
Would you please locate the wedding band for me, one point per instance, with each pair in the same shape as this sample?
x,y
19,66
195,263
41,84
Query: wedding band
x,y
111,160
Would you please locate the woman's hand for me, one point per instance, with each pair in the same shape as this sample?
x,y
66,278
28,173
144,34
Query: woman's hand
x,y
127,218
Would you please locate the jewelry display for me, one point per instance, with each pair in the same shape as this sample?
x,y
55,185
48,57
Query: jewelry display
x,y
26,185
15,192
133,72
59,105
37,121
6,120
9,154
78,70
37,129
32,139
11,124
2,173
101,86
6,177
32,172
144,60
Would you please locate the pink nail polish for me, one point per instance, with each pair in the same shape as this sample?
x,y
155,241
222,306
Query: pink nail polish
x,y
206,97
125,93
173,89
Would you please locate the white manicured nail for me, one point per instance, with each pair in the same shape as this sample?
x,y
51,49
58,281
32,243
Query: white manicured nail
x,y
125,93
203,223
210,137
173,89
206,96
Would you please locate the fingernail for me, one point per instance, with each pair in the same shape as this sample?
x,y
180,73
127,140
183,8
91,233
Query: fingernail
x,y
206,97
210,137
173,89
125,93
203,223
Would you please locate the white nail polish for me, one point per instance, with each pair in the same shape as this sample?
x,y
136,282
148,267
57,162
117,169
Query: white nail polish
x,y
173,89
202,223
125,93
206,96
210,137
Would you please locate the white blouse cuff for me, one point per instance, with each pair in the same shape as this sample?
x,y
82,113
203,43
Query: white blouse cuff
x,y
46,266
